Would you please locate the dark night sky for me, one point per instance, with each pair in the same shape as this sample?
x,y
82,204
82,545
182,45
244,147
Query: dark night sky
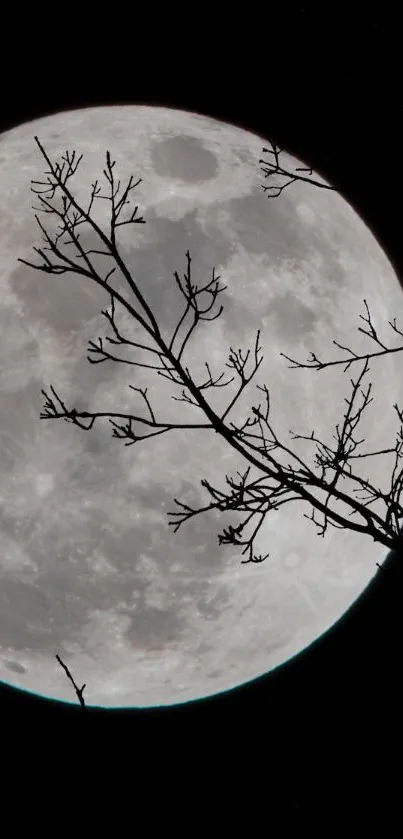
x,y
329,88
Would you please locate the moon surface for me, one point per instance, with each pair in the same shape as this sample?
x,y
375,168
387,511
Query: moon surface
x,y
90,568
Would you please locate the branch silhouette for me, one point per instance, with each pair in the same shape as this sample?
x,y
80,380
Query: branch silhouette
x,y
273,167
314,363
79,691
255,439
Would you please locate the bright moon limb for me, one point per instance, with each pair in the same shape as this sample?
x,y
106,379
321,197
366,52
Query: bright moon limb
x,y
90,569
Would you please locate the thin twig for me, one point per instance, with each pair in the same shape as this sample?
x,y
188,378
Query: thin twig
x,y
79,691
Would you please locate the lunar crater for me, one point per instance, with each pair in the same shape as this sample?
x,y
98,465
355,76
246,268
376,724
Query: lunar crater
x,y
184,158
15,667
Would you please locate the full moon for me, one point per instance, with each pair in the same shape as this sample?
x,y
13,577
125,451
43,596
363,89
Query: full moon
x,y
90,568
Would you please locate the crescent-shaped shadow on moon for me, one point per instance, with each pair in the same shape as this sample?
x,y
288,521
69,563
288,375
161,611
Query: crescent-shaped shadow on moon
x,y
89,567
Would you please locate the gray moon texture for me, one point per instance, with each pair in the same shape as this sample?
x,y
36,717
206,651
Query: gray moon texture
x,y
89,567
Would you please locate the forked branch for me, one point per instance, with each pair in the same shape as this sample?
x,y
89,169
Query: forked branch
x,y
255,439
273,167
79,691
314,363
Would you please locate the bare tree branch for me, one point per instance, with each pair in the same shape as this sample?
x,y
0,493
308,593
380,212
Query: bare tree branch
x,y
273,167
53,411
277,483
258,497
191,292
79,691
313,363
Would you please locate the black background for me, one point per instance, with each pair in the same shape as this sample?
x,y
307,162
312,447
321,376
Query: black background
x,y
325,729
